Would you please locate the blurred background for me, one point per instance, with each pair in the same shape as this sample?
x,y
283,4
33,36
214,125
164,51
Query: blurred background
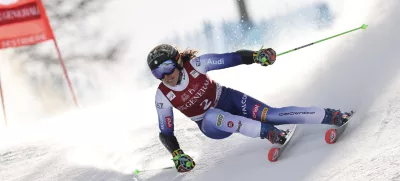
x,y
105,44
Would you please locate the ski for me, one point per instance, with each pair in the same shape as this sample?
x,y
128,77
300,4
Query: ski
x,y
277,151
333,134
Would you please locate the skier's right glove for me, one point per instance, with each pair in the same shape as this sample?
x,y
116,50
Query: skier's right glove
x,y
183,162
265,57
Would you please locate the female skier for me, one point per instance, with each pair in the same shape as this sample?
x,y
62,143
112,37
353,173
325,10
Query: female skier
x,y
220,111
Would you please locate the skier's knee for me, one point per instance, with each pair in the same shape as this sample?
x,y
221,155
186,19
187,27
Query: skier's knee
x,y
213,118
212,114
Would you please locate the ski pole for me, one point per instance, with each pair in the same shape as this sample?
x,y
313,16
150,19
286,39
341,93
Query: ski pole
x,y
137,171
364,26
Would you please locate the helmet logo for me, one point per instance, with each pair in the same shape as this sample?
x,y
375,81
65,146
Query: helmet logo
x,y
168,49
156,54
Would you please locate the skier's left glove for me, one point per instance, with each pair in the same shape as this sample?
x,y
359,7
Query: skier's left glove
x,y
265,57
183,162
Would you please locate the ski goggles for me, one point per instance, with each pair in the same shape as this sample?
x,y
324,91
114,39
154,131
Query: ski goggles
x,y
166,68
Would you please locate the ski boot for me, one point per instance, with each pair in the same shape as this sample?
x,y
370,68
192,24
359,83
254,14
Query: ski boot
x,y
273,134
335,117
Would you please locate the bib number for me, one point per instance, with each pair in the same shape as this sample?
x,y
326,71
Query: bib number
x,y
206,104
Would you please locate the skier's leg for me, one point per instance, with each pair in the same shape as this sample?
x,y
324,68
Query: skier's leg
x,y
216,121
212,132
238,103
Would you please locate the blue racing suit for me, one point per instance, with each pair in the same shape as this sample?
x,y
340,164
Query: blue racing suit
x,y
220,111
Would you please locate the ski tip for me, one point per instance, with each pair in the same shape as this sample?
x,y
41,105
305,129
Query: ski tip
x,y
330,136
273,154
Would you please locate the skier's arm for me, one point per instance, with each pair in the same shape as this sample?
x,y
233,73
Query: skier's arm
x,y
208,62
166,122
182,161
213,61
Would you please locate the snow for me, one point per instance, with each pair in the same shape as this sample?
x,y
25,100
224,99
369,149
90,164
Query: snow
x,y
106,142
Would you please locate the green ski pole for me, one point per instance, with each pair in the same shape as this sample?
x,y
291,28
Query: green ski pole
x,y
364,26
137,171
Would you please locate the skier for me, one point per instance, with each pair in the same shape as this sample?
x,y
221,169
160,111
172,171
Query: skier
x,y
220,111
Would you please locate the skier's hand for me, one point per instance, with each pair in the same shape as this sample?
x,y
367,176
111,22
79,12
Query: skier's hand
x,y
183,162
265,57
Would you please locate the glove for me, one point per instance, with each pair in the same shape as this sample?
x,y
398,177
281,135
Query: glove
x,y
265,57
183,162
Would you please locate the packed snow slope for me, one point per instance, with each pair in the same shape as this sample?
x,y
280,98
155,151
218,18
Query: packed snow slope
x,y
358,71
